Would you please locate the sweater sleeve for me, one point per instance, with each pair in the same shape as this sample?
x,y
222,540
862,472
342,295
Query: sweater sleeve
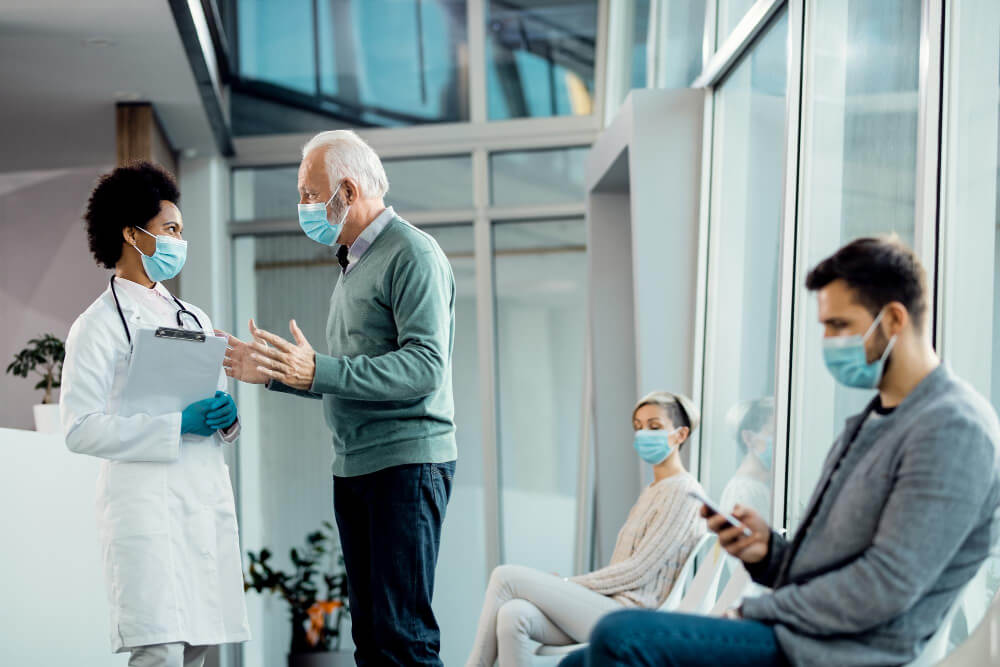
x,y
421,293
662,539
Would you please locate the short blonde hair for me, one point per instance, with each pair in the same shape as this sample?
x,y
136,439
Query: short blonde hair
x,y
679,408
348,156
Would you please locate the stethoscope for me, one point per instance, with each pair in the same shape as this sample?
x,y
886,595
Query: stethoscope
x,y
181,311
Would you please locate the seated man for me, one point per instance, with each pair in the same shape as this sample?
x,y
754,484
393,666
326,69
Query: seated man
x,y
904,514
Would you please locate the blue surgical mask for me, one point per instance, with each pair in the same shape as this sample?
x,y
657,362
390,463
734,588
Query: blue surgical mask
x,y
167,260
847,361
312,220
766,457
653,446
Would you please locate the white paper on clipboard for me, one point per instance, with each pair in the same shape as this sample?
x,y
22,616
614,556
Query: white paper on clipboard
x,y
168,374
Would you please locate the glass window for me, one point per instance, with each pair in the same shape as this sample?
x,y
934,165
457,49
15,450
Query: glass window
x,y
969,246
463,538
431,183
541,271
745,226
731,12
681,37
293,277
383,62
540,58
859,148
415,184
640,40
265,193
276,43
518,178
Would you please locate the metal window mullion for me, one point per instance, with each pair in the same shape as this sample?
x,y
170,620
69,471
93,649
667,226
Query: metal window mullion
x,y
476,17
430,140
701,284
710,33
536,211
787,278
601,62
928,176
486,328
731,51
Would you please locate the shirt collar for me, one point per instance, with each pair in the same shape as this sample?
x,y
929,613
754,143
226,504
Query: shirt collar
x,y
368,236
139,292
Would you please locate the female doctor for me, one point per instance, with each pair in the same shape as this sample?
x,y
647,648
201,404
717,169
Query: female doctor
x,y
165,509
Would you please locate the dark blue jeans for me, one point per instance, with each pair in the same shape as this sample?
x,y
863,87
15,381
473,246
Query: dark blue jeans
x,y
390,531
657,639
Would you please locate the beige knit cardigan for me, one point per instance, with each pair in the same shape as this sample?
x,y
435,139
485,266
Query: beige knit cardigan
x,y
662,528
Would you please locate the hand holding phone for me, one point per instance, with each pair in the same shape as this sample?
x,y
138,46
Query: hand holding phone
x,y
714,509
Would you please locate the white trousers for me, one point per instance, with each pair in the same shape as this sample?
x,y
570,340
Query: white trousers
x,y
525,607
168,655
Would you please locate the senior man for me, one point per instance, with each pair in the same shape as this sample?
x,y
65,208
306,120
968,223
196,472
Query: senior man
x,y
386,391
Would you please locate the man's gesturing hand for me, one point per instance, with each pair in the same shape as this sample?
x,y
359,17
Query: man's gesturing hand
x,y
748,549
293,364
239,363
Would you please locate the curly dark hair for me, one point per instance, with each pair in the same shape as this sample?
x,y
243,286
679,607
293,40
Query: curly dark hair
x,y
129,196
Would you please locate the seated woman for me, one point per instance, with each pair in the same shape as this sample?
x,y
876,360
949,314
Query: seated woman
x,y
525,607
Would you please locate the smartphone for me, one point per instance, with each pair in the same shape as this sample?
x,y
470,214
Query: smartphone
x,y
730,519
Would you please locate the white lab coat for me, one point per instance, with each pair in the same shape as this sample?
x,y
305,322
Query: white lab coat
x,y
165,509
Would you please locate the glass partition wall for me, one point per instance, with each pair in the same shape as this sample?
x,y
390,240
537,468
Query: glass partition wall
x,y
856,133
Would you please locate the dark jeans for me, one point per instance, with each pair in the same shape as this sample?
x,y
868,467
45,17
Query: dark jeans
x,y
390,530
657,639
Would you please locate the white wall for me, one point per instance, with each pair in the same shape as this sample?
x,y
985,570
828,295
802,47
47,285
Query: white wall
x,y
53,602
47,274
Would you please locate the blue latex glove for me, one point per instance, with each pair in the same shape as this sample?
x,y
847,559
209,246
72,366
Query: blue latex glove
x,y
223,416
194,416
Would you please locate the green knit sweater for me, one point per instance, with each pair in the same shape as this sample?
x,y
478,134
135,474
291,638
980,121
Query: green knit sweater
x,y
386,383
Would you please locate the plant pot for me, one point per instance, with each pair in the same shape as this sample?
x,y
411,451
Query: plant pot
x,y
321,659
47,418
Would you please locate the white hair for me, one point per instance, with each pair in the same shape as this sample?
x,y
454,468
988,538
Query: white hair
x,y
348,156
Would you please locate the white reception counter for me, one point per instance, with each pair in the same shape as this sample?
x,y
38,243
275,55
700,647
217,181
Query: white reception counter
x,y
53,606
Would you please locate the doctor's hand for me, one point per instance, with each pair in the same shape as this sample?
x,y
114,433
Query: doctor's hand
x,y
194,418
239,363
748,549
293,364
223,416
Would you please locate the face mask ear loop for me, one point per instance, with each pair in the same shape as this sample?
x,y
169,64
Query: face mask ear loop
x,y
874,324
327,204
132,243
888,349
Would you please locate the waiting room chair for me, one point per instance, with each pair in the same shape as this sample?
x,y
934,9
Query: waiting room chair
x,y
739,586
937,647
701,588
982,647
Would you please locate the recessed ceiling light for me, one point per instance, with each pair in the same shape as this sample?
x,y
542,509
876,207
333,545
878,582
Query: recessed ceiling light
x,y
99,41
127,96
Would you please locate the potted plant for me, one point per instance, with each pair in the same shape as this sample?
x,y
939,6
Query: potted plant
x,y
316,618
43,356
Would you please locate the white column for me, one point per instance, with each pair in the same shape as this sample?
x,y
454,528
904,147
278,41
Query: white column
x,y
205,206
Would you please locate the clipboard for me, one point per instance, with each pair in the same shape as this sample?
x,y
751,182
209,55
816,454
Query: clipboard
x,y
170,369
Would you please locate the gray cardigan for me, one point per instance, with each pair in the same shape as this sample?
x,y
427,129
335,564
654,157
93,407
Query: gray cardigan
x,y
910,514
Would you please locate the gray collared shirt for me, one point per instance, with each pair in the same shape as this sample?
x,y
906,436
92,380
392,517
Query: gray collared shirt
x,y
367,237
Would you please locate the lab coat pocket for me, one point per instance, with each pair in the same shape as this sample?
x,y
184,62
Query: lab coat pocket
x,y
136,499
